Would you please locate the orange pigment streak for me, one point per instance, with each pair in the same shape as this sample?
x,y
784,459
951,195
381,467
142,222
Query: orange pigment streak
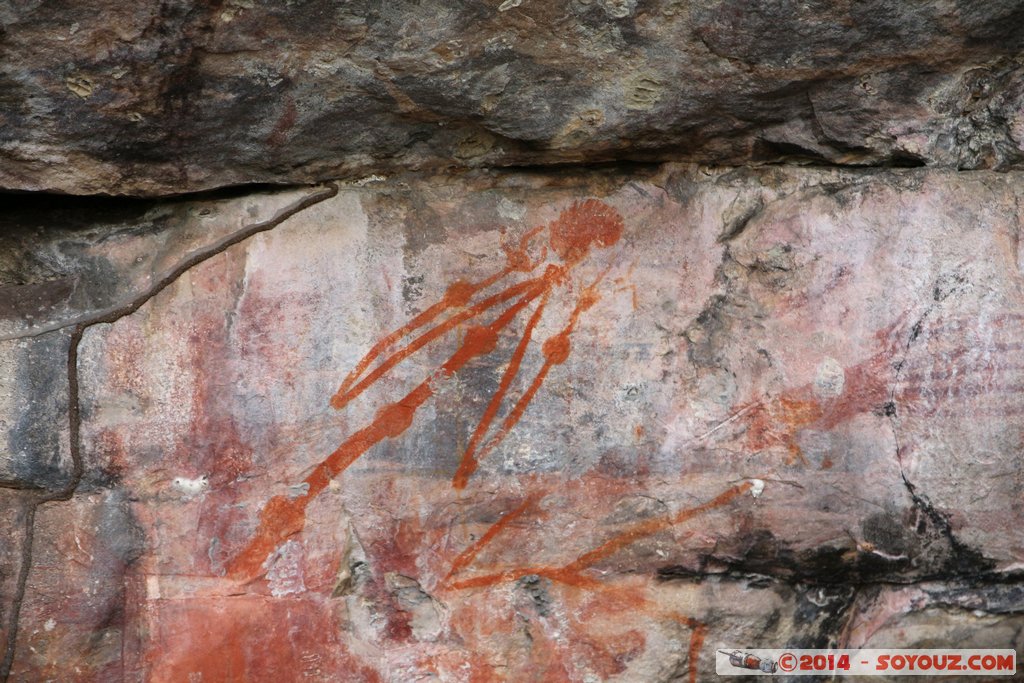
x,y
534,287
466,557
653,526
469,462
696,643
556,351
698,632
283,517
576,230
571,573
458,295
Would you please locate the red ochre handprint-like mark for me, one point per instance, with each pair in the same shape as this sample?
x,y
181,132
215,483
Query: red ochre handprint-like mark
x,y
580,228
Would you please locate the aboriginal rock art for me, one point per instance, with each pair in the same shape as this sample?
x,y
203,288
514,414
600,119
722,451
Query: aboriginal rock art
x,y
776,421
545,269
887,383
584,226
573,573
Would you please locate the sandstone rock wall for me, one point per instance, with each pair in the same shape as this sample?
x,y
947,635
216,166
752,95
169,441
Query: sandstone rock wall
x,y
103,96
580,426
506,340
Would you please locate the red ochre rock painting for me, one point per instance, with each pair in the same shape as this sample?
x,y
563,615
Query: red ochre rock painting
x,y
263,610
534,435
581,227
584,226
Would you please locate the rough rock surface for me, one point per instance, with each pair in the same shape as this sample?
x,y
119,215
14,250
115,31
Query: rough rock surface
x,y
104,96
674,409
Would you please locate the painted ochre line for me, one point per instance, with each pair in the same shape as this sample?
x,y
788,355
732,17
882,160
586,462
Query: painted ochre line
x,y
556,351
469,460
343,397
571,573
283,517
466,557
458,295
575,231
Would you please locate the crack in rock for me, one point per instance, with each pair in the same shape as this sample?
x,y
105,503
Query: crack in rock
x,y
74,413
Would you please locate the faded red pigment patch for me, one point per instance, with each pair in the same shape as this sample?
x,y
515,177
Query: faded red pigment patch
x,y
608,652
264,333
478,622
871,385
603,610
214,445
397,622
248,639
124,350
559,643
553,632
396,551
970,363
279,135
398,544
777,422
110,453
471,667
550,660
111,449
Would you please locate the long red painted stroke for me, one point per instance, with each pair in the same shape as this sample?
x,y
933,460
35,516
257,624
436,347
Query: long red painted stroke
x,y
533,287
466,557
571,573
698,632
458,295
284,516
469,462
556,351
577,229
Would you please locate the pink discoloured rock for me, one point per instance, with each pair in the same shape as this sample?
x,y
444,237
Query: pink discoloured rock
x,y
848,340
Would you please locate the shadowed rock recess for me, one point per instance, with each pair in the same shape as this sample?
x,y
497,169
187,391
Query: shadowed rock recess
x,y
150,98
507,341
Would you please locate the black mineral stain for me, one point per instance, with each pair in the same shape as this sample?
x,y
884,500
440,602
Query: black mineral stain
x,y
40,403
886,533
537,589
894,549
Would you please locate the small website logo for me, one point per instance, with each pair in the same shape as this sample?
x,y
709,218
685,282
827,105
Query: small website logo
x,y
745,660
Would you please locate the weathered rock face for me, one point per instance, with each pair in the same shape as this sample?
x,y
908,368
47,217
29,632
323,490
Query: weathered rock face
x,y
516,427
169,97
